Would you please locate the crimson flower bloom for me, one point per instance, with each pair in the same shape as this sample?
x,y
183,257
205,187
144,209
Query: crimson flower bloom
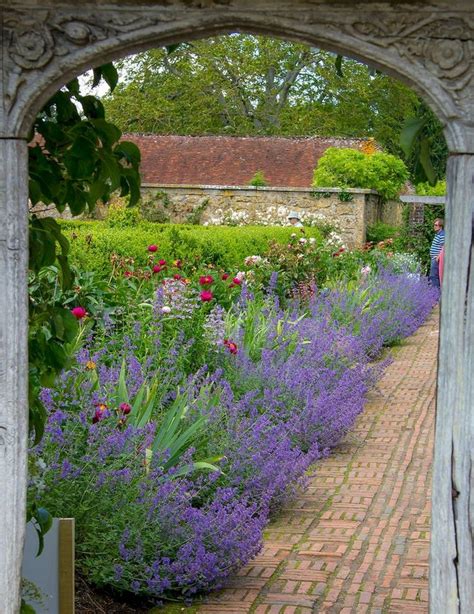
x,y
178,263
128,274
125,408
225,276
99,412
236,281
162,262
156,268
177,276
206,296
79,312
153,248
206,280
231,346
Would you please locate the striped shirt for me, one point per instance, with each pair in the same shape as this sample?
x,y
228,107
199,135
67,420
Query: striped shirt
x,y
437,244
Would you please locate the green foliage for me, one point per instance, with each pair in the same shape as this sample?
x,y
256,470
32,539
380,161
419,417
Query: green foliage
x,y
75,159
418,238
154,207
253,85
381,232
426,189
195,216
121,216
258,180
424,145
93,243
78,158
349,168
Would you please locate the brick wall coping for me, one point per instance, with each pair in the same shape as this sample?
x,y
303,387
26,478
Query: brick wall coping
x,y
251,188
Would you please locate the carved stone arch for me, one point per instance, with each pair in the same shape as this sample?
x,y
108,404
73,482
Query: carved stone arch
x,y
430,46
48,47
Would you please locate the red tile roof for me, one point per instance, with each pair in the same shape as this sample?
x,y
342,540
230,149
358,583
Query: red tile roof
x,y
225,160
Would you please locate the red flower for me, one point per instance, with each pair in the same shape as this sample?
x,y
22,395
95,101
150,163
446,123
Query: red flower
x,y
231,346
156,268
79,312
177,276
206,280
225,276
99,412
206,296
178,263
128,274
236,281
162,262
152,248
125,408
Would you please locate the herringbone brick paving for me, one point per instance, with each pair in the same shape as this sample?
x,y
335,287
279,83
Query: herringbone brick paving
x,y
357,540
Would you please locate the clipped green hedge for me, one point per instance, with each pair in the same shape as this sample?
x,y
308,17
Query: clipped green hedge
x,y
92,243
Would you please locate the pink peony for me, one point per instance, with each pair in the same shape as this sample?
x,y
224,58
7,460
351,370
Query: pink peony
x,y
162,262
206,296
206,280
79,312
153,248
156,268
225,276
237,281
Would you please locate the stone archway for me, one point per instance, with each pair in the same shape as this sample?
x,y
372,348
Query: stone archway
x,y
429,47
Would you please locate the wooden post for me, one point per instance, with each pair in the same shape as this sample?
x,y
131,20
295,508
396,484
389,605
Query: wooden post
x,y
13,366
451,566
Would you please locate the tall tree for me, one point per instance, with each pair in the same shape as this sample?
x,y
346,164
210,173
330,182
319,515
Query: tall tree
x,y
252,85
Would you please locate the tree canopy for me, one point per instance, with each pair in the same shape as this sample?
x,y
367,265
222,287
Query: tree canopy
x,y
246,85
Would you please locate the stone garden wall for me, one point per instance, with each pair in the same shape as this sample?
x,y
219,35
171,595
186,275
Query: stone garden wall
x,y
352,209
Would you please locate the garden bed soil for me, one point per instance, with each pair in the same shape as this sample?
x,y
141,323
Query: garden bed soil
x,y
91,600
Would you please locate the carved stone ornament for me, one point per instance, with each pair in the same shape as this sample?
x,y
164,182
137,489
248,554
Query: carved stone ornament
x,y
444,47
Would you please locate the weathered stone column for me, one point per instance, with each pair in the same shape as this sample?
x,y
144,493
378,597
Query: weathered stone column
x,y
451,567
13,366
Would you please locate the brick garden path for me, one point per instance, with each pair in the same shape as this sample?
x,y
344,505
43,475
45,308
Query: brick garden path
x,y
357,540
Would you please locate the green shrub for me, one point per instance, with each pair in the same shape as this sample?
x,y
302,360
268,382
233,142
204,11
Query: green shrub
x,y
119,215
258,180
93,243
381,232
425,189
350,168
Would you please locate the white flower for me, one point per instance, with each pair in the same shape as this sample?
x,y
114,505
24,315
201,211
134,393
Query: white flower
x,y
293,235
312,240
303,240
166,309
365,270
252,260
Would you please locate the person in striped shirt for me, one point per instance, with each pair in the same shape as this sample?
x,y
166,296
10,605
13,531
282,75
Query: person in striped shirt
x,y
435,249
